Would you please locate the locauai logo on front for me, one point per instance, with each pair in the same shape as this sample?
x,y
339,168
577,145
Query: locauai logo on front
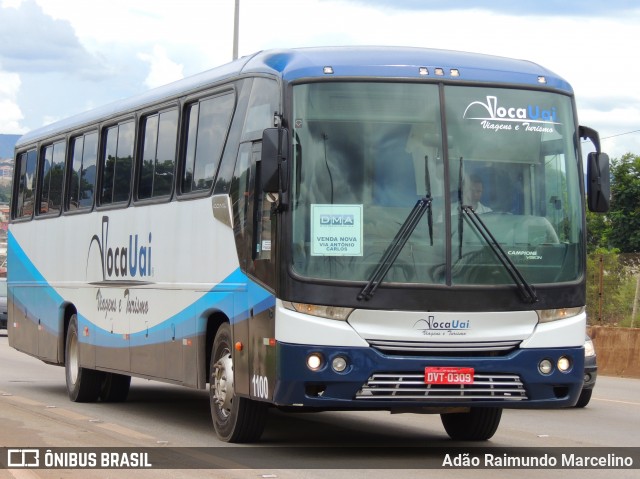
x,y
124,259
493,115
449,327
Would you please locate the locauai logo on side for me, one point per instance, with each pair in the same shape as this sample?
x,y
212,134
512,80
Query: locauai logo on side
x,y
450,327
494,116
127,261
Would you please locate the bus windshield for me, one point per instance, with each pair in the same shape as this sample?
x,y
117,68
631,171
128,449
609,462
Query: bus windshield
x,y
366,152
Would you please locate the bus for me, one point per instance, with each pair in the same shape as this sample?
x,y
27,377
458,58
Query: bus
x,y
315,229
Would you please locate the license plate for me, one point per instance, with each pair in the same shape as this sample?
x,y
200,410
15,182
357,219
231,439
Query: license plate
x,y
448,375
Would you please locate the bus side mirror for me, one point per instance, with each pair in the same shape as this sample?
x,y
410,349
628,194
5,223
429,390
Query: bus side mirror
x,y
274,167
598,187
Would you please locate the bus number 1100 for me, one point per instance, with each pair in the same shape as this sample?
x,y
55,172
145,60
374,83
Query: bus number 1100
x,y
260,386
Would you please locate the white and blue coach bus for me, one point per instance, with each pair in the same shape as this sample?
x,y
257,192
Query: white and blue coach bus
x,y
393,229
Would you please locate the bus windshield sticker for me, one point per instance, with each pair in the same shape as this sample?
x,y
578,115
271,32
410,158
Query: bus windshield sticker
x,y
336,230
495,117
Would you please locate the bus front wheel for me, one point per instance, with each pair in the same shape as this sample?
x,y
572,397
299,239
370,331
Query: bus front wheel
x,y
479,424
83,385
235,419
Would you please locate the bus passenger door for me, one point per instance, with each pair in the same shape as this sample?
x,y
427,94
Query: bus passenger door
x,y
255,366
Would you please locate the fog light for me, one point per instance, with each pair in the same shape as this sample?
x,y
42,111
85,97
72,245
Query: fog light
x,y
339,364
545,366
564,364
314,361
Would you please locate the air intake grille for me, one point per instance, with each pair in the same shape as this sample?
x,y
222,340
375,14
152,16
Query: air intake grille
x,y
414,347
409,386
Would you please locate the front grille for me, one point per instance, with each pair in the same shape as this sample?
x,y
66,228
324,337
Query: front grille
x,y
410,386
439,348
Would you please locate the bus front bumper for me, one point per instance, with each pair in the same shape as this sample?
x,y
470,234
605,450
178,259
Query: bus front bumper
x,y
372,380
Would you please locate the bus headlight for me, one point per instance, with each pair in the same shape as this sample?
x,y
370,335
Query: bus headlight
x,y
339,364
329,312
589,350
545,367
548,315
315,361
564,364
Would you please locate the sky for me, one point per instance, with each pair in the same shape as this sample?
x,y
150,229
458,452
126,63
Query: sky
x,y
62,57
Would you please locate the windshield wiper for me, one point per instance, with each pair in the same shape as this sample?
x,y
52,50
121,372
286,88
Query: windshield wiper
x,y
460,196
427,185
526,290
394,249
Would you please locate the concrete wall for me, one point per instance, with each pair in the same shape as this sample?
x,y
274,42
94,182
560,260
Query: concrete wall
x,y
617,350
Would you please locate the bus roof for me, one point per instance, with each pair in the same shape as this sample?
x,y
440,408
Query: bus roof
x,y
347,62
401,62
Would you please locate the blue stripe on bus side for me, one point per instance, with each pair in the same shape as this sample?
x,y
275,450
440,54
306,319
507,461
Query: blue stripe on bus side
x,y
39,303
235,295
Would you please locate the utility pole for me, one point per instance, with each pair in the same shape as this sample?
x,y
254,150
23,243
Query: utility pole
x,y
634,312
600,289
236,26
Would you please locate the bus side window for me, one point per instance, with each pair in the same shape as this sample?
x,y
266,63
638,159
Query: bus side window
x,y
25,189
51,174
83,171
108,165
241,188
117,162
159,155
209,121
264,103
251,216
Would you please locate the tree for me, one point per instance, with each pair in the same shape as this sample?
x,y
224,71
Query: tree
x,y
598,228
611,285
5,193
624,214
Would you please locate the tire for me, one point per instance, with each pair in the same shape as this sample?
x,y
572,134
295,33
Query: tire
x,y
235,419
585,397
479,424
83,385
115,387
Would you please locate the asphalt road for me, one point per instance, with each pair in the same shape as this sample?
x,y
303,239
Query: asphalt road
x,y
35,412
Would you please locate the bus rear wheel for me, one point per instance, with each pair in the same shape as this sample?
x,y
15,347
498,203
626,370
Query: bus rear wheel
x,y
115,387
235,419
479,424
83,385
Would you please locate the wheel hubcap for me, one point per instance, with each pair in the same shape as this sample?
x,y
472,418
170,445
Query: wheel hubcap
x,y
222,384
73,360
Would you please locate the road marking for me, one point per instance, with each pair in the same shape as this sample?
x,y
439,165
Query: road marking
x,y
24,400
23,474
68,414
72,415
619,402
214,461
125,431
